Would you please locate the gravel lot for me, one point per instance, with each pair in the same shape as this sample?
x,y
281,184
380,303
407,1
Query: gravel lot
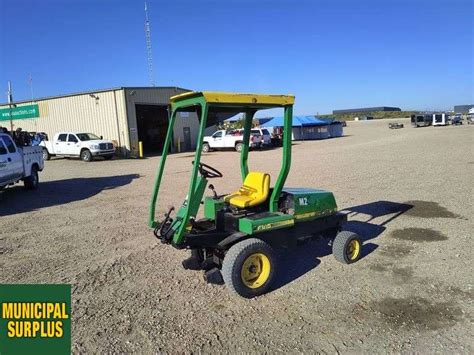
x,y
409,193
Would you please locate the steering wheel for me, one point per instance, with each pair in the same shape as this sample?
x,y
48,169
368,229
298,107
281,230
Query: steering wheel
x,y
208,171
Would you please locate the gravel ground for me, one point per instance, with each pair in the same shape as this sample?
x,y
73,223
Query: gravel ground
x,y
409,193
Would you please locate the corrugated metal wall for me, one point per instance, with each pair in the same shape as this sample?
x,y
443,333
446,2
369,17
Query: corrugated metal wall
x,y
110,114
158,96
103,114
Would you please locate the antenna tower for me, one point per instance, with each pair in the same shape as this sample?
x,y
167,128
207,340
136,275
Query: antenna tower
x,y
149,51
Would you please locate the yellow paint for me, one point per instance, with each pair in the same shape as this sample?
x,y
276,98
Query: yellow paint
x,y
253,192
140,149
269,226
353,249
255,270
314,214
237,98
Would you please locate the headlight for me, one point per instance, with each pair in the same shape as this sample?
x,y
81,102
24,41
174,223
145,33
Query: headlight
x,y
94,146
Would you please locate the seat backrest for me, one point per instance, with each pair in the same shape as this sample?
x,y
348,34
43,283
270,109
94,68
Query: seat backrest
x,y
260,182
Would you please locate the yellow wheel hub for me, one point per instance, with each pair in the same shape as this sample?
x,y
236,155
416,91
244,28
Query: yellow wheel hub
x,y
255,270
353,249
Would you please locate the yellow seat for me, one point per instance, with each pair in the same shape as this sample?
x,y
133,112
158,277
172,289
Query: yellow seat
x,y
253,192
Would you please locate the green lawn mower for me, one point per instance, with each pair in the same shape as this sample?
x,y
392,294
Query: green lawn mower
x,y
236,240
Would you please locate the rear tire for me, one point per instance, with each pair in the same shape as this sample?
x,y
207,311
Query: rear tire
x,y
46,155
86,155
347,247
32,181
239,146
206,148
249,268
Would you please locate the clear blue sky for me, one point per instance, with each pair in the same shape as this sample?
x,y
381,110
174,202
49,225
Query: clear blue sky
x,y
416,54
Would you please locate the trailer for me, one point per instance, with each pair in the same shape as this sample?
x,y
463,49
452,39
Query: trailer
x,y
440,119
421,120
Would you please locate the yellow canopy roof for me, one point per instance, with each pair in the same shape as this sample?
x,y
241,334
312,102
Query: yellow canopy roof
x,y
237,98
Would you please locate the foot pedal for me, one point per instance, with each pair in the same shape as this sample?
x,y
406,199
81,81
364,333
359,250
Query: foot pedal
x,y
214,276
192,263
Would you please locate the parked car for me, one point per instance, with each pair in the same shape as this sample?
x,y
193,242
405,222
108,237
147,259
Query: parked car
x,y
456,119
19,163
230,139
86,146
265,133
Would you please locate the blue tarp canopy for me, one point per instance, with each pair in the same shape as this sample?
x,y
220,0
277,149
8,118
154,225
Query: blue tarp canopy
x,y
298,121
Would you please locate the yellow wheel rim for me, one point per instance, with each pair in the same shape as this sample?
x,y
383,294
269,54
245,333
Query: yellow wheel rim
x,y
255,270
353,249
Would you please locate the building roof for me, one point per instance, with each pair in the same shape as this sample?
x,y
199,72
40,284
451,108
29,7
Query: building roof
x,y
237,98
367,109
95,92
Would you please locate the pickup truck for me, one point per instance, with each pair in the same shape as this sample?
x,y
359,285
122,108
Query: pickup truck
x,y
83,145
230,139
19,163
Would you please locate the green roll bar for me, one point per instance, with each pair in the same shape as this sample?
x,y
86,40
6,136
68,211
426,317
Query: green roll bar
x,y
247,103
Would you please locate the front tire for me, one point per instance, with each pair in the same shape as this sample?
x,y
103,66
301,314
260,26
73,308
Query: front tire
x,y
86,155
206,148
32,181
347,247
239,146
46,155
249,268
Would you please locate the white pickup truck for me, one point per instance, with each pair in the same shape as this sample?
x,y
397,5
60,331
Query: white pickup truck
x,y
230,139
19,163
83,145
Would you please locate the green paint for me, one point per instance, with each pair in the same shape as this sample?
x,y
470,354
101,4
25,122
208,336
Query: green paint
x,y
189,209
19,113
244,169
286,163
268,222
211,206
37,343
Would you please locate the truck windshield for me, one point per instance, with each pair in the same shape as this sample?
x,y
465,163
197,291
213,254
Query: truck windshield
x,y
87,136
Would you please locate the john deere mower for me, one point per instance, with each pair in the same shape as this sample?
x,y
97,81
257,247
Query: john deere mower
x,y
236,240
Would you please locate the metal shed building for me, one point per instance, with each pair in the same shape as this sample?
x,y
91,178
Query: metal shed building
x,y
126,115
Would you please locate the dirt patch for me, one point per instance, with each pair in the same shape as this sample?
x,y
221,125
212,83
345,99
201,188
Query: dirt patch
x,y
403,274
378,267
418,235
396,250
427,209
417,312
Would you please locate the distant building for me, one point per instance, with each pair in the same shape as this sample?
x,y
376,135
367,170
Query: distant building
x,y
463,108
365,110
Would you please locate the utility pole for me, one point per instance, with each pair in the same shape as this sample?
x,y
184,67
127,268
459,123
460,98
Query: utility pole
x,y
149,50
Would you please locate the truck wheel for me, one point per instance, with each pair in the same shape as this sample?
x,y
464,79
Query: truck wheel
x,y
206,148
249,267
46,155
239,146
32,181
347,247
86,155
